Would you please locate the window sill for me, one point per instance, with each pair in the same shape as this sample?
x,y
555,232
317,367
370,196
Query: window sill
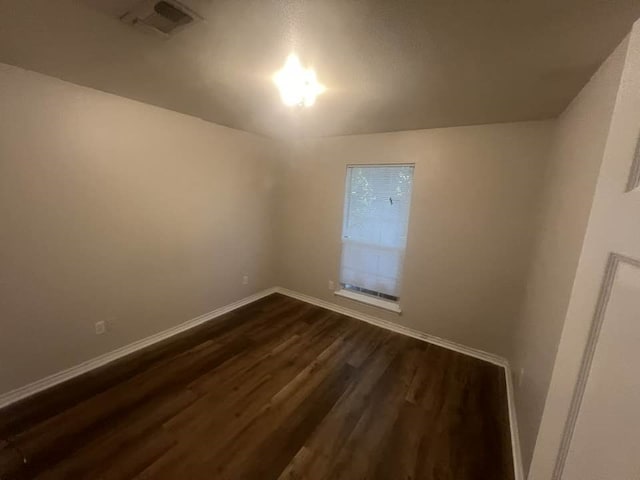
x,y
375,302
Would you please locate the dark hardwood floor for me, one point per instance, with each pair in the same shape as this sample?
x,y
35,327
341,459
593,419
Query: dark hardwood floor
x,y
278,389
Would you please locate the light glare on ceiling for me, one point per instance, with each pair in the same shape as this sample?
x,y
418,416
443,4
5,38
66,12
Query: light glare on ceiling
x,y
297,85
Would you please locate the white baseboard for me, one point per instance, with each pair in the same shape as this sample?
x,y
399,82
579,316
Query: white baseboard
x,y
409,332
513,423
84,367
441,342
57,378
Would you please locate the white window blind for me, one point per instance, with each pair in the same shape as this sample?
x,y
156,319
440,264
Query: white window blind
x,y
374,234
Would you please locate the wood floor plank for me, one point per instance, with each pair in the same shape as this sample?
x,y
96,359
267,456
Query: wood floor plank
x,y
367,441
315,458
282,439
278,389
254,380
47,442
135,441
251,424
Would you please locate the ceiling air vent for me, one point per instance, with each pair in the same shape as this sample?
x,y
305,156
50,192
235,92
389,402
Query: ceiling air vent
x,y
161,17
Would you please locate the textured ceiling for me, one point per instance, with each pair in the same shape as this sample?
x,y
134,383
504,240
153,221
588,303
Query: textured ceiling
x,y
388,65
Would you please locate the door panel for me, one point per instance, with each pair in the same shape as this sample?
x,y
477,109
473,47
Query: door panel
x,y
608,426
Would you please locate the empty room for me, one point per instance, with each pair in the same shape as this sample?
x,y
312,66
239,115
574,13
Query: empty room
x,y
320,240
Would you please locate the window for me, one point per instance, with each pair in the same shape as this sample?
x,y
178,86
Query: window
x,y
374,232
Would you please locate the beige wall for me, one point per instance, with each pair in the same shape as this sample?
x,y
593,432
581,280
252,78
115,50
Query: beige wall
x,y
579,141
475,193
116,210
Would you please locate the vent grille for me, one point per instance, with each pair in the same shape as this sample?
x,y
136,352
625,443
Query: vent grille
x,y
167,17
161,17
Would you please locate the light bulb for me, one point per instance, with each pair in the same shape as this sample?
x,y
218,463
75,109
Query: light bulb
x,y
297,85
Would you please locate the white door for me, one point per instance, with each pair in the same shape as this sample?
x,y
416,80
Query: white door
x,y
606,438
601,432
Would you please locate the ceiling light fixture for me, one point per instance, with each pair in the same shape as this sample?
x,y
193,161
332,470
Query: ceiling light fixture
x,y
298,86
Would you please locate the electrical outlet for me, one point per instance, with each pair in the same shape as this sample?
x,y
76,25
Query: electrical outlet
x,y
101,327
245,280
332,286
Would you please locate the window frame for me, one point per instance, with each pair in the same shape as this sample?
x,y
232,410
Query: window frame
x,y
353,294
